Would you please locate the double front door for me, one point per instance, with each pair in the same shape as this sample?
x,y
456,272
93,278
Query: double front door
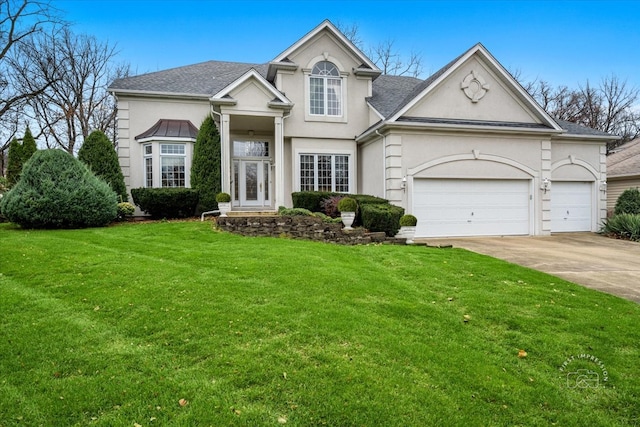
x,y
252,183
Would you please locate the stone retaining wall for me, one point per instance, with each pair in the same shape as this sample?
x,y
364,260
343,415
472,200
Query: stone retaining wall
x,y
301,227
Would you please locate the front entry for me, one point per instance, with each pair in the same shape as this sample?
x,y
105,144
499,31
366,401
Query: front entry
x,y
252,178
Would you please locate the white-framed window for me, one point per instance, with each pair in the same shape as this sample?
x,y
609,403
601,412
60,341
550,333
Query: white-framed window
x,y
166,164
172,165
325,90
148,165
324,172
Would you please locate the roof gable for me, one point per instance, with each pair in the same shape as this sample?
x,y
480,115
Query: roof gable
x,y
364,64
244,88
473,86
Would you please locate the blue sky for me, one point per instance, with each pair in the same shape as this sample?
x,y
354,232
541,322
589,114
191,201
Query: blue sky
x,y
562,42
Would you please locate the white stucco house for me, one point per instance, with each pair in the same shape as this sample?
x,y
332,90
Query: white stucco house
x,y
467,151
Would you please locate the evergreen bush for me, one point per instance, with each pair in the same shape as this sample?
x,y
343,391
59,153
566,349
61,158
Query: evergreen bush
x,y
347,204
378,217
408,221
98,153
628,202
206,166
166,202
58,191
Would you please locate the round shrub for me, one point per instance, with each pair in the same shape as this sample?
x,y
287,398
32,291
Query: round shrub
x,y
408,221
347,204
628,202
58,191
223,198
125,209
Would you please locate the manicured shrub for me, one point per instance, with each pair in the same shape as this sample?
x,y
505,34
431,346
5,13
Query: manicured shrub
x,y
206,166
223,198
408,221
58,191
166,202
379,217
347,204
327,218
625,226
282,211
98,153
125,209
628,202
311,200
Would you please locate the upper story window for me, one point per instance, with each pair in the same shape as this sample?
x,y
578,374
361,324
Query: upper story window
x,y
325,90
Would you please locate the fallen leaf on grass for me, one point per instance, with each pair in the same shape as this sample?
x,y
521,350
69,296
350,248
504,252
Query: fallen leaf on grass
x,y
183,402
522,354
466,318
282,420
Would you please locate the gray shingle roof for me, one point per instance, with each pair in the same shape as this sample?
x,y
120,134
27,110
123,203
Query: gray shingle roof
x,y
205,78
625,161
575,129
391,91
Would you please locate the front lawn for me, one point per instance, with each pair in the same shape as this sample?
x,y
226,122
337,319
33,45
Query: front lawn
x,y
173,323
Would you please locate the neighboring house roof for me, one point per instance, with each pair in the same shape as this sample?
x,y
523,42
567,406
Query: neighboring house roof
x,y
170,129
203,79
625,161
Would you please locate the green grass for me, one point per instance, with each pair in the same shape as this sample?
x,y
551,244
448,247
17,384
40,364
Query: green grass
x,y
113,326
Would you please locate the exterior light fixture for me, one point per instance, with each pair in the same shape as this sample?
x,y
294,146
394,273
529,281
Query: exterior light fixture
x,y
546,185
404,182
603,186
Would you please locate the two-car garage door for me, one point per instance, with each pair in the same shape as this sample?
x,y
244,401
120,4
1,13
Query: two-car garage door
x,y
494,207
464,207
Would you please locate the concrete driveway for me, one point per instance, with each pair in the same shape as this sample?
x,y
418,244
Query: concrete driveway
x,y
588,259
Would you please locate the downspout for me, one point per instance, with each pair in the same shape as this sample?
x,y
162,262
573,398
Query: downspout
x,y
384,163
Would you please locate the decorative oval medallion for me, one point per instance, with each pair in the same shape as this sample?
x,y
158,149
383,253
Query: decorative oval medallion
x,y
474,86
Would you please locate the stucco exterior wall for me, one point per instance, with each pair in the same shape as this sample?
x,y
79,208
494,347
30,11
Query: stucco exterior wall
x,y
371,169
355,90
136,115
449,101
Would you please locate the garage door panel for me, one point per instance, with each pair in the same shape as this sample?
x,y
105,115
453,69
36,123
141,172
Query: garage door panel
x,y
571,206
452,207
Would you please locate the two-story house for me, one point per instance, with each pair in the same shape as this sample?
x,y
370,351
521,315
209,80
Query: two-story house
x,y
467,151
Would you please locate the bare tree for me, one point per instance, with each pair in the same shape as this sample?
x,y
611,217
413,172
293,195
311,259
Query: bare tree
x,y
611,107
385,55
20,21
76,103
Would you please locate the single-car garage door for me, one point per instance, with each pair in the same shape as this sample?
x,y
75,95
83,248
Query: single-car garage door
x,y
465,207
571,206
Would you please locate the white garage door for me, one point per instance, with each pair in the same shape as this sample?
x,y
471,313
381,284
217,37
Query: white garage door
x,y
461,207
571,206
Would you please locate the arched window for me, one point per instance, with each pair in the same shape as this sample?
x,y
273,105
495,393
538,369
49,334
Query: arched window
x,y
325,86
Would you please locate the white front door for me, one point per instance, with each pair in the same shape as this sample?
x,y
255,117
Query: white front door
x,y
253,183
571,206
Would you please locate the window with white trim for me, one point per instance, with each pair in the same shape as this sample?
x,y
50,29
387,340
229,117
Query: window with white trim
x,y
324,172
325,90
148,165
172,165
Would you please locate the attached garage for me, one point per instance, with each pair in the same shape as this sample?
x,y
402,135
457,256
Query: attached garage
x,y
571,206
478,207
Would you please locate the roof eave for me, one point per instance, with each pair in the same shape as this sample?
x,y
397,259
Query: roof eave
x,y
156,94
275,66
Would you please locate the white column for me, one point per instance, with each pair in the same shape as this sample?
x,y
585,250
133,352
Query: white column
x,y
225,146
279,161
